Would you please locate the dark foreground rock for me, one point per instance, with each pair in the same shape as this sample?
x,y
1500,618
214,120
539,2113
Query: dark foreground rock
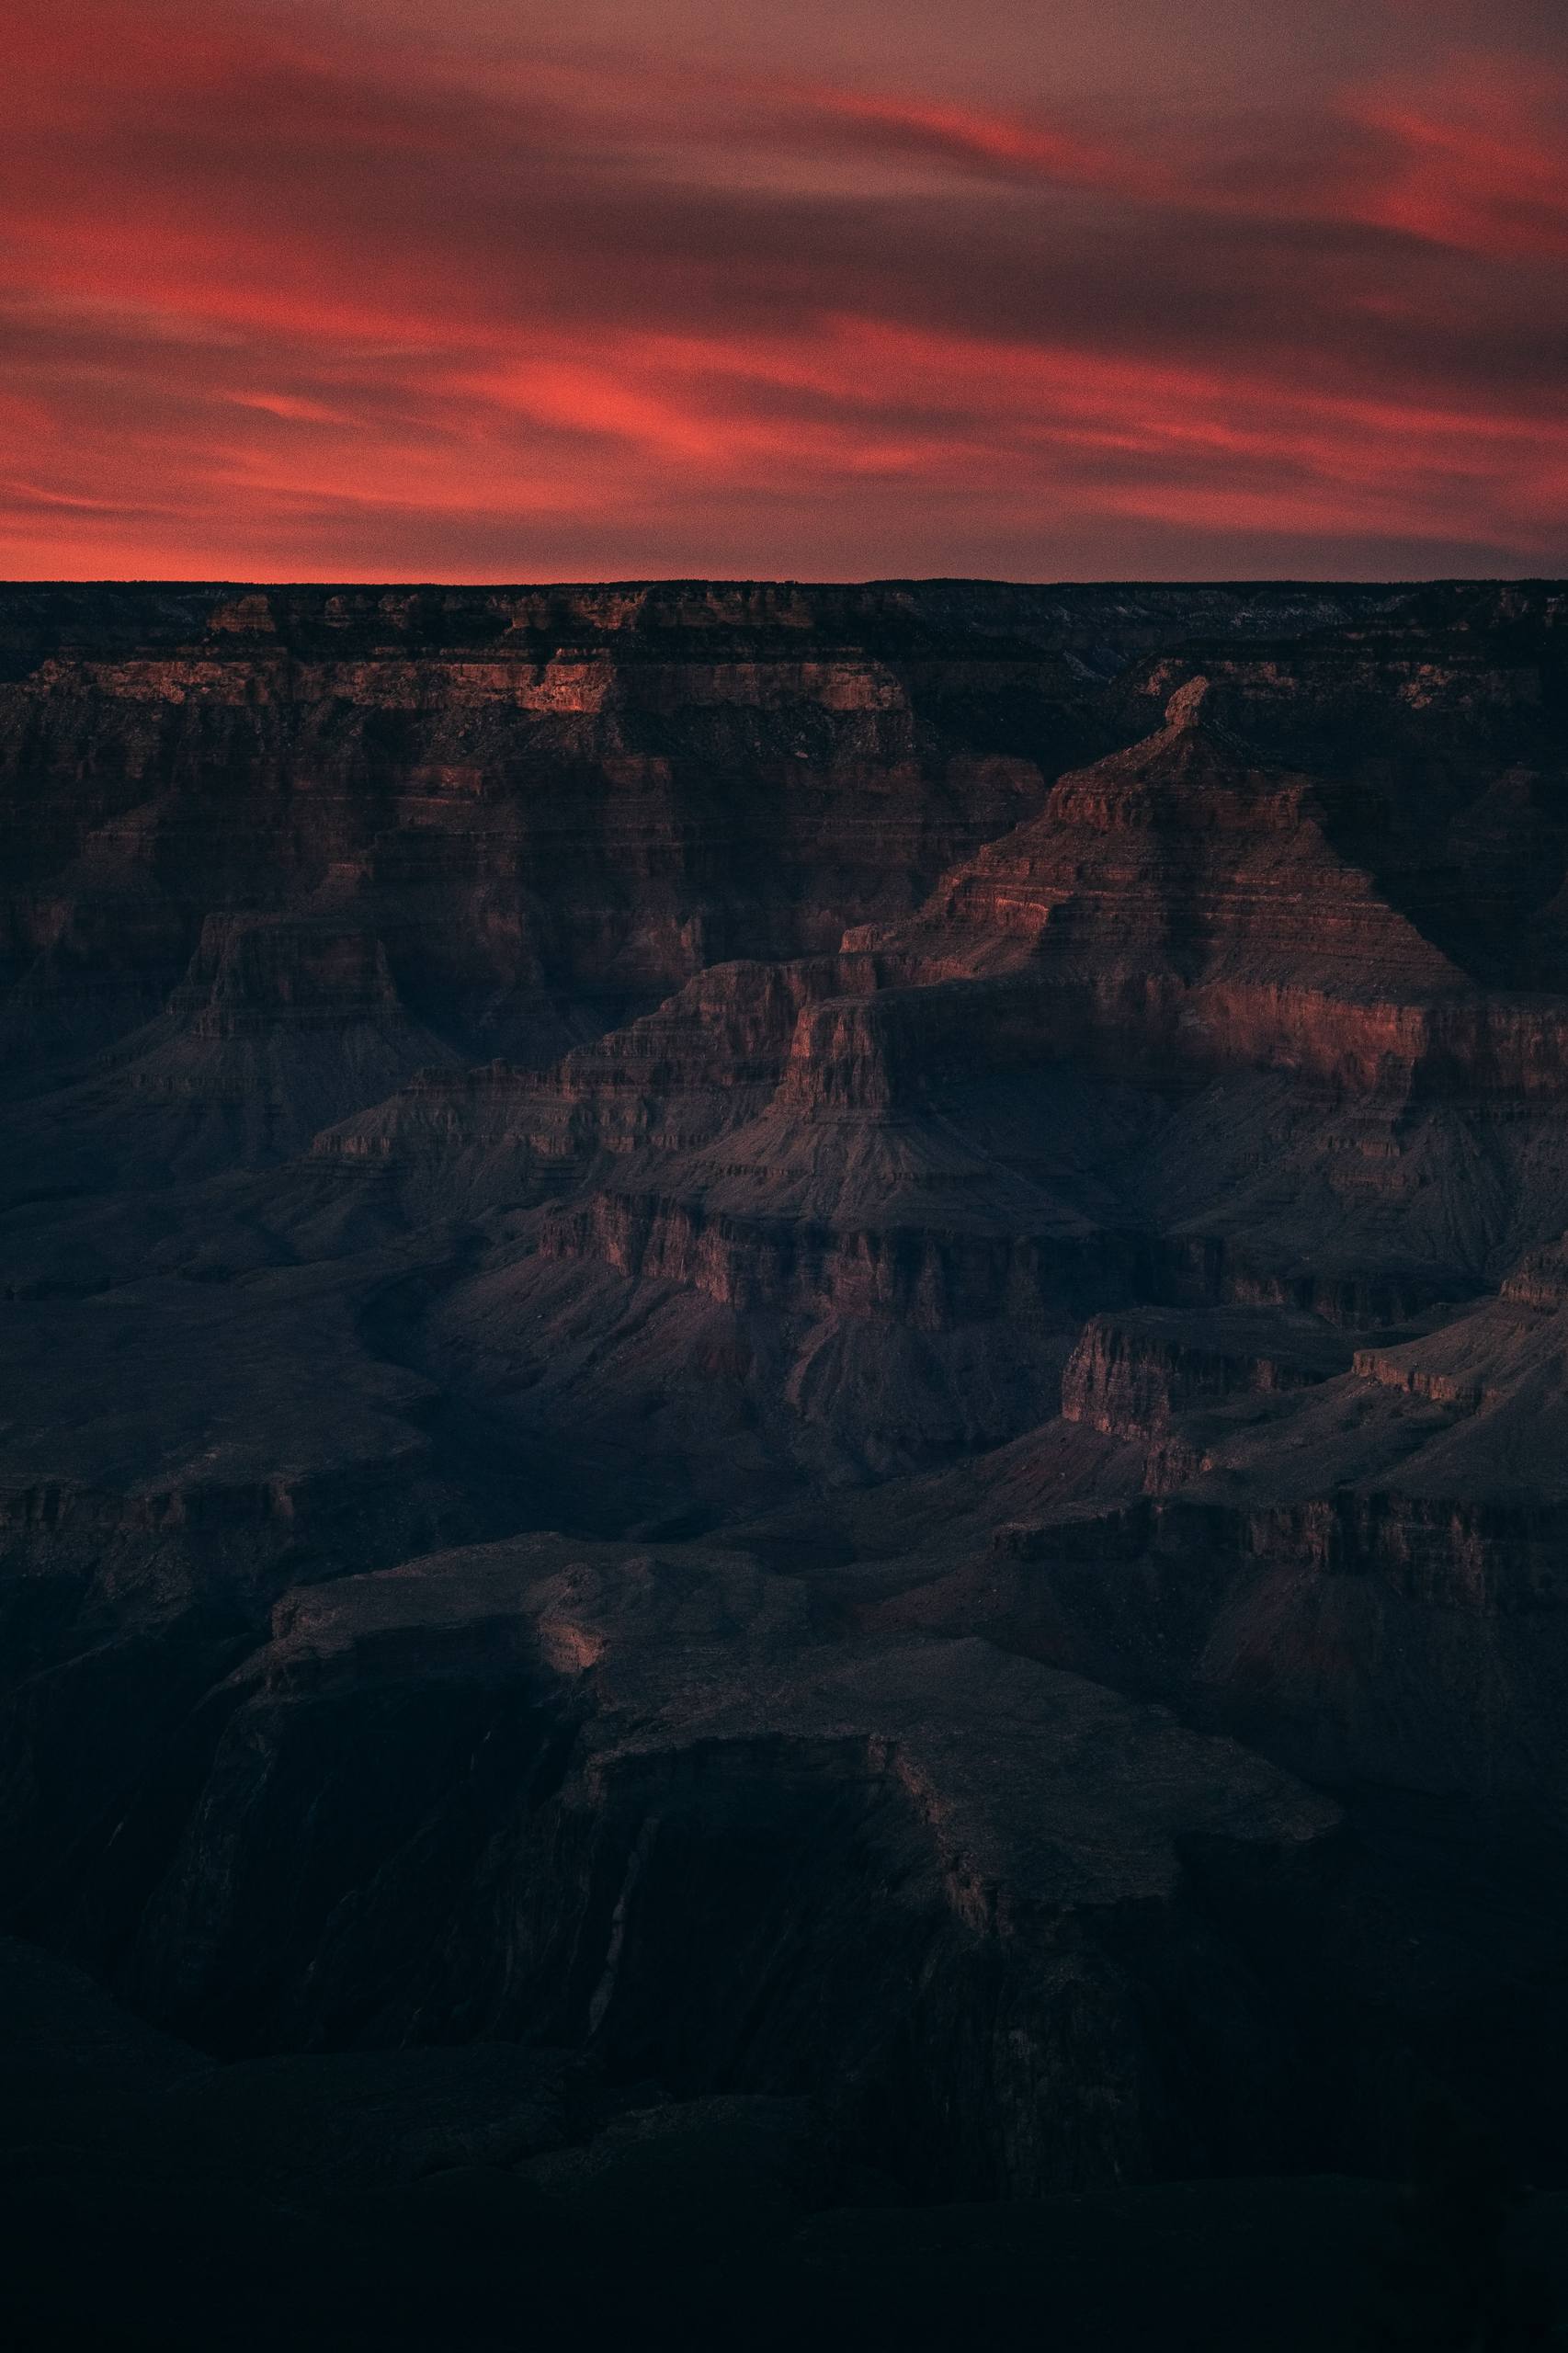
x,y
154,2198
633,1803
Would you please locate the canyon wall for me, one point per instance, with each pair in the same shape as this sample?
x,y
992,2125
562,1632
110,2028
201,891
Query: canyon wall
x,y
812,1340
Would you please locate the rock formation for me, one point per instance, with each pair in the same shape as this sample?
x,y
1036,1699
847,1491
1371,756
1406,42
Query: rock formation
x,y
799,1354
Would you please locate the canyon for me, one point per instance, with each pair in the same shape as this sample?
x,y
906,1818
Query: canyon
x,y
785,1449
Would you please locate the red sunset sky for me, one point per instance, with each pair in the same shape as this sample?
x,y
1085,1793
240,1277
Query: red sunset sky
x,y
845,288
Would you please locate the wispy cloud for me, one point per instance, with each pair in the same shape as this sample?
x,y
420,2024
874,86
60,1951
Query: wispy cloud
x,y
275,297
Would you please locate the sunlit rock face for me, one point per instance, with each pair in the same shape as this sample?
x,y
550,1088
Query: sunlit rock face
x,y
811,1341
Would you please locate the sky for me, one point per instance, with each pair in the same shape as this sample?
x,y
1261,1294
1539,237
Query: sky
x,y
374,289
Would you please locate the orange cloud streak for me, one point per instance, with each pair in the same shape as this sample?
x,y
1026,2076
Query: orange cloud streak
x,y
279,303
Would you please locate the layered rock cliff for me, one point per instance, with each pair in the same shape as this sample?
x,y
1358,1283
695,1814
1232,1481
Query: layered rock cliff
x,y
810,1340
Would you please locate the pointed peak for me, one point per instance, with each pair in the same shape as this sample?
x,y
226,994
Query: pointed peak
x,y
1186,706
1191,748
